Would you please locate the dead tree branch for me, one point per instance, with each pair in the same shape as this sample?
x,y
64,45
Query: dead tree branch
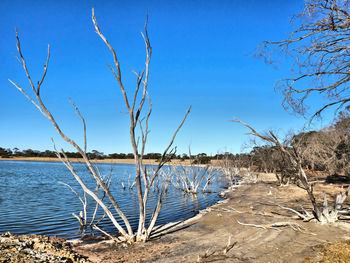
x,y
324,215
320,45
143,178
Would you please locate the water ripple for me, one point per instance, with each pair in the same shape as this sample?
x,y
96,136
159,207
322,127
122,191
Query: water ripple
x,y
32,201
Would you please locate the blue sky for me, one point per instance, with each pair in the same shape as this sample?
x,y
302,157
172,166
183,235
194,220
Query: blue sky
x,y
202,56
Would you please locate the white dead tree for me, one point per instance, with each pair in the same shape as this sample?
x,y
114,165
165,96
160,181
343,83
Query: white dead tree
x,y
230,168
83,217
193,179
324,213
143,177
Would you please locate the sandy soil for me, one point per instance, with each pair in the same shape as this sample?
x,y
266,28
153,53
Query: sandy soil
x,y
205,237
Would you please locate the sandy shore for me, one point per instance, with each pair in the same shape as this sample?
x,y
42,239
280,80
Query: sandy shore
x,y
205,237
245,227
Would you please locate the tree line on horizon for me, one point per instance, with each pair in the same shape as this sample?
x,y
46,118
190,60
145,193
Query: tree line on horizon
x,y
325,150
202,158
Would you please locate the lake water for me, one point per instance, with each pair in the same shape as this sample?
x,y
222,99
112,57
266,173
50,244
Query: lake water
x,y
33,202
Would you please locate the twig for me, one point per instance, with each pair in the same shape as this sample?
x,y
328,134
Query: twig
x,y
258,226
105,233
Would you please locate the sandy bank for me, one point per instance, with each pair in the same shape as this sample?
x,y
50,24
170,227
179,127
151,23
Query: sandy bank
x,y
244,218
205,237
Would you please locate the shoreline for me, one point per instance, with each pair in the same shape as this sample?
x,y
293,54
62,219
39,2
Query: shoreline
x,y
172,221
234,229
234,225
80,160
57,249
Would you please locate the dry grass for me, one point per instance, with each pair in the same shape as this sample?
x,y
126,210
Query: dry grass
x,y
336,252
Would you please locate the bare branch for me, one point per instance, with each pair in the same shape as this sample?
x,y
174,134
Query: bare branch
x,y
116,62
135,112
83,120
45,70
28,97
320,45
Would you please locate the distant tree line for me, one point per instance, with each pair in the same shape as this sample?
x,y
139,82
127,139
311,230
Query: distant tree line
x,y
244,160
325,150
201,158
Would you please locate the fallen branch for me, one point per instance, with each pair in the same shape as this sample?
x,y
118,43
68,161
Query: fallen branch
x,y
206,254
293,225
276,225
105,233
217,252
231,210
258,226
306,217
229,245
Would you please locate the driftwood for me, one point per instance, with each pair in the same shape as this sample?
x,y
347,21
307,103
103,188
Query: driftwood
x,y
276,225
329,214
209,254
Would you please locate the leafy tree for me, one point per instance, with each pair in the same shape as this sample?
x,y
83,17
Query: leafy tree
x,y
5,153
15,151
153,156
31,153
184,156
48,153
94,154
201,158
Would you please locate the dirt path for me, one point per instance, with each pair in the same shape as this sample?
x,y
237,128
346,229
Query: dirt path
x,y
204,238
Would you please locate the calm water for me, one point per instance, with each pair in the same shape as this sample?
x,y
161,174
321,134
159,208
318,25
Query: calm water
x,y
33,202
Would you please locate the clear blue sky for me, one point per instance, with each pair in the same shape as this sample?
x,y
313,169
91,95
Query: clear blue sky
x,y
202,56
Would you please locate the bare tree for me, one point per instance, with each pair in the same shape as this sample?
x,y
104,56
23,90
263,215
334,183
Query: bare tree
x,y
327,149
83,217
324,214
193,179
268,158
230,167
144,177
321,47
318,149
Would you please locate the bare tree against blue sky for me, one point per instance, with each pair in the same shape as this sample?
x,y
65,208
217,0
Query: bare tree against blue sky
x,y
320,45
144,177
200,58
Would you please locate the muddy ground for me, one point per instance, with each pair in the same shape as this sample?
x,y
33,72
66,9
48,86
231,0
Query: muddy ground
x,y
205,237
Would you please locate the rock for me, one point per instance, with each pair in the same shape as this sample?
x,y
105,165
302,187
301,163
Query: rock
x,y
36,248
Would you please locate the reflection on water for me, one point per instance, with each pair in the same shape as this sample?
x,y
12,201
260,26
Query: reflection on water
x,y
33,202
